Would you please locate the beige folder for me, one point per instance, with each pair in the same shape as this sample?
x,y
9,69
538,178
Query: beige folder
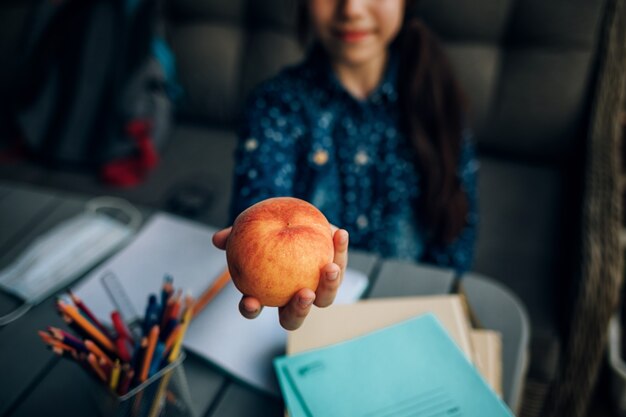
x,y
325,326
487,346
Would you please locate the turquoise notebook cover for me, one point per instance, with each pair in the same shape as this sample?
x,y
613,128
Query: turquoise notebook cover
x,y
412,368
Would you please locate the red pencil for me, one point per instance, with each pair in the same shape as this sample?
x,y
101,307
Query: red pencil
x,y
122,349
120,326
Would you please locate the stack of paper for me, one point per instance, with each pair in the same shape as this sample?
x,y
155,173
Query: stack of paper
x,y
342,322
487,346
413,368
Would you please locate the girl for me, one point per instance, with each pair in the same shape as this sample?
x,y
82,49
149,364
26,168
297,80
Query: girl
x,y
369,128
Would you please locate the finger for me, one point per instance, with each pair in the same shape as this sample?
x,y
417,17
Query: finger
x,y
250,307
293,314
341,240
220,238
330,278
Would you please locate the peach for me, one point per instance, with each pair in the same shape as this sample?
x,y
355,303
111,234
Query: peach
x,y
277,247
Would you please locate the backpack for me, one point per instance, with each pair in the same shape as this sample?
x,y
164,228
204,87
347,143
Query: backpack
x,y
97,87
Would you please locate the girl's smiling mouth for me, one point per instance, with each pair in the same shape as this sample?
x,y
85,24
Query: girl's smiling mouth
x,y
351,35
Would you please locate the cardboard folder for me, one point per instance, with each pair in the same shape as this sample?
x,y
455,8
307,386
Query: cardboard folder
x,y
339,323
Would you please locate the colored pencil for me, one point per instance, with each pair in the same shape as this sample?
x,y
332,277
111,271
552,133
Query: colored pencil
x,y
97,335
120,327
82,307
147,359
115,376
169,342
127,376
67,338
208,295
122,349
91,358
181,334
166,292
115,357
93,348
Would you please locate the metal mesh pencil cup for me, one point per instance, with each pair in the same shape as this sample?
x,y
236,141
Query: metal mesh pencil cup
x,y
166,393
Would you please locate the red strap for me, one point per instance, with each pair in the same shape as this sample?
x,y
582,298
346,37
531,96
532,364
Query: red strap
x,y
130,171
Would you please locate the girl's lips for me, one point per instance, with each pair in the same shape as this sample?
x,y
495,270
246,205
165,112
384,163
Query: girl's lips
x,y
352,35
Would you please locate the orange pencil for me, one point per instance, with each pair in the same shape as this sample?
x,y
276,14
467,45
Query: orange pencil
x,y
79,303
96,367
147,359
50,340
175,311
75,315
47,338
211,292
59,345
63,353
167,309
171,339
93,348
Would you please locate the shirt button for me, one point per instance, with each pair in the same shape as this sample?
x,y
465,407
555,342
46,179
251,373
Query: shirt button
x,y
361,158
251,144
320,157
362,222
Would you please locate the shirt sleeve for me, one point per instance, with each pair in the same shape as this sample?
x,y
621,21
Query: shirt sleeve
x,y
265,157
460,253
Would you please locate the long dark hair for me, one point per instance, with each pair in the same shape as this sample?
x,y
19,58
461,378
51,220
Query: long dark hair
x,y
433,109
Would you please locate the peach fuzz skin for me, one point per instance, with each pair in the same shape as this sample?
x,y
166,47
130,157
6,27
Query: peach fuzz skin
x,y
277,247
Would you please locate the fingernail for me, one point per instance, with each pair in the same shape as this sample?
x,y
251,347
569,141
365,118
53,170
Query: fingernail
x,y
305,302
343,238
331,276
249,309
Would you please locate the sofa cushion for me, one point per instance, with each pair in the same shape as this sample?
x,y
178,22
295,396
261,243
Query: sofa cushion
x,y
216,11
208,58
526,66
518,236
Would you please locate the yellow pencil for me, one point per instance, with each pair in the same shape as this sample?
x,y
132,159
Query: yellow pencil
x,y
181,334
115,375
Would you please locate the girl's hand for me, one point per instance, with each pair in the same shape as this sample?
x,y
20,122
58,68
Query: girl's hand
x,y
292,315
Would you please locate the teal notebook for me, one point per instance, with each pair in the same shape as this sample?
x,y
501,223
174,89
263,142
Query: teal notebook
x,y
412,368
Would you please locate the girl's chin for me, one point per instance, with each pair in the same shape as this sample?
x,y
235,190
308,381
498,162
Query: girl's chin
x,y
356,57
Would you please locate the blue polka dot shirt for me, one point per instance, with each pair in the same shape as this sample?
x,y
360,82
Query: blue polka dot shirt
x,y
304,135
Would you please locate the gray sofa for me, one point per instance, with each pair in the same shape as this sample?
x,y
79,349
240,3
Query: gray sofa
x,y
530,68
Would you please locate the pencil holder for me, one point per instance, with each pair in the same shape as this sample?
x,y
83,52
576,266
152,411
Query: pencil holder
x,y
166,393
